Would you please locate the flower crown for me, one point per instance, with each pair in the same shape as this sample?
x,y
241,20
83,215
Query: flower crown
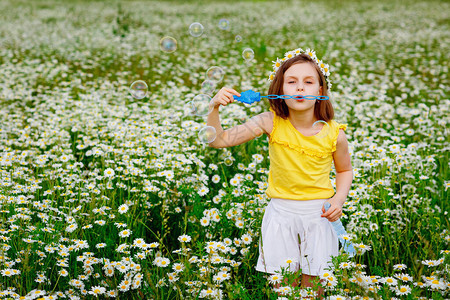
x,y
324,68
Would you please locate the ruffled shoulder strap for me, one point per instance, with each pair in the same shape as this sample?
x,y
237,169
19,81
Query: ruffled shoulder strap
x,y
337,126
275,122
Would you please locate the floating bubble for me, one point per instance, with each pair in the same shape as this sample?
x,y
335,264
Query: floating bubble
x,y
208,86
200,105
215,74
257,131
224,24
228,161
321,129
248,54
207,134
168,44
243,118
196,29
238,39
2,133
139,89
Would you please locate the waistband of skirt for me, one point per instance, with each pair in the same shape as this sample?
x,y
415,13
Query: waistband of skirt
x,y
298,206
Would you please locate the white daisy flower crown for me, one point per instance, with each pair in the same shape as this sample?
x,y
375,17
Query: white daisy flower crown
x,y
324,68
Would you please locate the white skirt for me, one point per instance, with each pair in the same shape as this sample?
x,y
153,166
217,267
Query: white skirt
x,y
294,236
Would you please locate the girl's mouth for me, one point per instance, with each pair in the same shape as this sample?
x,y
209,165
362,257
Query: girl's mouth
x,y
299,98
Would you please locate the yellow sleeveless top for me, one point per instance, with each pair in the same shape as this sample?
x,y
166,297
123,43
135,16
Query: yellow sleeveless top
x,y
300,165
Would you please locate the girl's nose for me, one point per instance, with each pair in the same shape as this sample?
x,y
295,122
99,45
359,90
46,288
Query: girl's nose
x,y
300,89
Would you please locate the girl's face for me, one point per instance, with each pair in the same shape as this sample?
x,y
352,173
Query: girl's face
x,y
301,79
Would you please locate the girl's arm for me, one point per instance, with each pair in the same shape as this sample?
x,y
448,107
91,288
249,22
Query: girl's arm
x,y
237,135
344,178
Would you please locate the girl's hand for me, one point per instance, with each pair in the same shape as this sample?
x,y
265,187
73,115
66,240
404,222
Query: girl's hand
x,y
334,212
223,97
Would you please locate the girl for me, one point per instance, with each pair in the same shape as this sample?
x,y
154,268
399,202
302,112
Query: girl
x,y
296,232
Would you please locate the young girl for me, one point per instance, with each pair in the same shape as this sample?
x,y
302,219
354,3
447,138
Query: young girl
x,y
296,232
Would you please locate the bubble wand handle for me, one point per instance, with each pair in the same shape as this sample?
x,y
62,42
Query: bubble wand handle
x,y
248,97
340,231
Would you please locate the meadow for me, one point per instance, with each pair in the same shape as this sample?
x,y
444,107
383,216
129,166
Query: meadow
x,y
103,195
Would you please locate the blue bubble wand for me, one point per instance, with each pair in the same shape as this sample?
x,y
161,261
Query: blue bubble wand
x,y
250,97
340,231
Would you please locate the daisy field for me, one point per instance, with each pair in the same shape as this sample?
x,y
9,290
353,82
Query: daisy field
x,y
110,190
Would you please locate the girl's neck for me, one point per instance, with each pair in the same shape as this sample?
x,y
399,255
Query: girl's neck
x,y
302,119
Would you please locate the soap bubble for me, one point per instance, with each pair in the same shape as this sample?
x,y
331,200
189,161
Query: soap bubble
x,y
196,29
207,134
224,24
258,131
200,105
168,44
2,133
215,74
228,161
248,54
243,118
208,86
139,89
238,39
321,129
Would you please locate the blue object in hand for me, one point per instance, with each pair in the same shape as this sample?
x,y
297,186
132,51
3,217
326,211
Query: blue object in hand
x,y
340,230
248,97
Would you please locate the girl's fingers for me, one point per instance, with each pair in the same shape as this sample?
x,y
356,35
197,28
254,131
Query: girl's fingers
x,y
225,96
229,96
335,216
232,91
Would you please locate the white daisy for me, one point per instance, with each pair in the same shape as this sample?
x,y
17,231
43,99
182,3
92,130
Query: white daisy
x,y
389,280
161,262
275,278
71,227
403,290
184,238
399,267
246,239
203,190
123,209
125,233
404,277
436,284
431,263
215,179
97,290
204,221
109,173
